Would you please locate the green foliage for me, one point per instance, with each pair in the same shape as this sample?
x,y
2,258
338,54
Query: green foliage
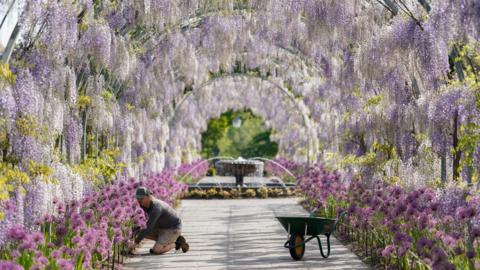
x,y
470,136
6,74
275,192
10,178
375,100
84,101
263,192
129,107
27,126
235,193
101,170
107,96
224,194
215,131
196,194
250,193
250,140
145,102
365,160
39,170
211,193
260,145
465,61
329,209
378,157
4,140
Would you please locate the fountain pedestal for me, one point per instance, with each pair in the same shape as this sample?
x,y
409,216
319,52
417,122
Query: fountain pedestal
x,y
239,168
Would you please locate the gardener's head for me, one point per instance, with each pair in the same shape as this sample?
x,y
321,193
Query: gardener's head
x,y
143,196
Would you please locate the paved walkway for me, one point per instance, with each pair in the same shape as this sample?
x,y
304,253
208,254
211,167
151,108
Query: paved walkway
x,y
241,234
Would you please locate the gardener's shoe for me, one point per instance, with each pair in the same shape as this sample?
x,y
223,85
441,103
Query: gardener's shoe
x,y
181,243
185,247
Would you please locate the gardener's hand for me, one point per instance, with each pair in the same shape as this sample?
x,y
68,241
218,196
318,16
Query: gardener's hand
x,y
129,249
131,246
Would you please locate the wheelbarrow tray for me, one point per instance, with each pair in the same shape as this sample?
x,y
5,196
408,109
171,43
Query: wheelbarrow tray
x,y
314,225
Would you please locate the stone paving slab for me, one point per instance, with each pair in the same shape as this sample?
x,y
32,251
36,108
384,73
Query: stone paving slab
x,y
241,234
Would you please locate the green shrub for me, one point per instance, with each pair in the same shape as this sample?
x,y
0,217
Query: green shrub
x,y
263,192
211,193
235,193
250,193
274,192
224,194
196,194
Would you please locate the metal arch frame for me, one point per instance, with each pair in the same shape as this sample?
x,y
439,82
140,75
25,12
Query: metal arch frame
x,y
306,118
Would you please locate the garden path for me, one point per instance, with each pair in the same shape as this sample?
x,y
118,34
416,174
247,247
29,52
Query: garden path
x,y
241,234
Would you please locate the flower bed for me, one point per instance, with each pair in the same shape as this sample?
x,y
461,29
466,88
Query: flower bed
x,y
421,228
239,193
84,234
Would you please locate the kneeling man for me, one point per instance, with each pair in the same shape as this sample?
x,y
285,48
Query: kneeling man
x,y
163,226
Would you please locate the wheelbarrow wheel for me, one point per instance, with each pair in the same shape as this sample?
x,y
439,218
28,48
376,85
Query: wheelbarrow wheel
x,y
297,252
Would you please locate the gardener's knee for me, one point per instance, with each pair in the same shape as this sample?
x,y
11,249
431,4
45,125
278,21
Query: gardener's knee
x,y
160,249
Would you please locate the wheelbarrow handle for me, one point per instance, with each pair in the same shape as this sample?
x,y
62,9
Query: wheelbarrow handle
x,y
340,218
328,246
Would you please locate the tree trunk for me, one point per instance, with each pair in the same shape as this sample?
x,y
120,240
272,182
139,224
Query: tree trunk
x,y
457,153
84,135
5,150
97,150
468,169
61,145
68,150
362,146
443,168
468,174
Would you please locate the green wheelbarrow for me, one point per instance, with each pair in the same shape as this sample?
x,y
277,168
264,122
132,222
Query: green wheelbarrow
x,y
299,228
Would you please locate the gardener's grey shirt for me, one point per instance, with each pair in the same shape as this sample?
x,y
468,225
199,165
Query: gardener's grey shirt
x,y
161,216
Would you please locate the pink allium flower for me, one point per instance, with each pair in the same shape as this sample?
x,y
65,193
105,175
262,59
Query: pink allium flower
x,y
16,233
388,250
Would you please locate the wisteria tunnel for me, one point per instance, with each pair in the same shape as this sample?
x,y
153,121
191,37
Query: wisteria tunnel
x,y
262,118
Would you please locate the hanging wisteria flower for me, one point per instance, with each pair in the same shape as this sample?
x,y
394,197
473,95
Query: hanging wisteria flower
x,y
389,96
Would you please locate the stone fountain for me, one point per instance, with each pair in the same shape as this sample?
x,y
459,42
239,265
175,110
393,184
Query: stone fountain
x,y
239,168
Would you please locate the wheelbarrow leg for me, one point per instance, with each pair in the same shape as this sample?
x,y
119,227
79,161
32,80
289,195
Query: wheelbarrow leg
x,y
328,246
